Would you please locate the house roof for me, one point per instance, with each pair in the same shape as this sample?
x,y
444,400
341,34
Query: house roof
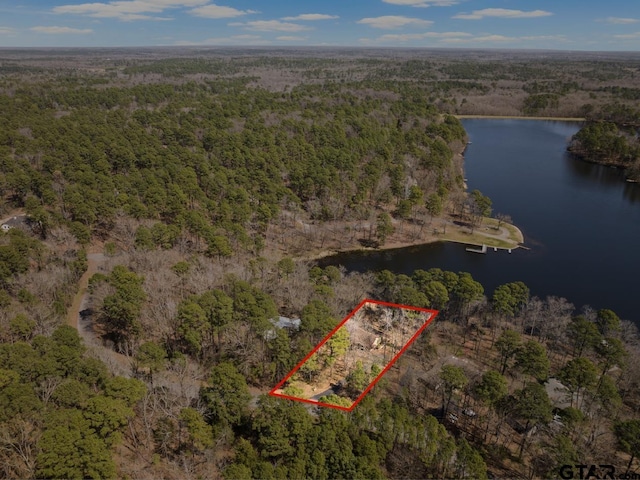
x,y
281,322
284,322
17,221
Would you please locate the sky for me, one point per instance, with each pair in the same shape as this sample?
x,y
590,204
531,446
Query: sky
x,y
593,25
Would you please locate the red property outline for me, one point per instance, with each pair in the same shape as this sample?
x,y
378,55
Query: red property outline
x,y
433,315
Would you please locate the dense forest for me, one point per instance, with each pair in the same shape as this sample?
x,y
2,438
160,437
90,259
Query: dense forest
x,y
163,206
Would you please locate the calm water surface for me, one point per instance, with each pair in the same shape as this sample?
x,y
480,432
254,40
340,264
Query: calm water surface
x,y
581,221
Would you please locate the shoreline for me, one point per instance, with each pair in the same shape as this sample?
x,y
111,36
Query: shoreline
x,y
393,246
521,117
429,239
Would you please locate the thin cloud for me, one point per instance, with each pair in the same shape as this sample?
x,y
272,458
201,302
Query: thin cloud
x,y
7,30
394,21
271,26
480,39
135,16
232,40
188,43
423,3
504,39
393,38
493,38
218,11
291,38
409,37
127,10
61,30
620,20
551,38
501,13
311,17
628,36
401,37
458,38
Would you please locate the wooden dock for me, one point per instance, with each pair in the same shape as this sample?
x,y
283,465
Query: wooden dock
x,y
484,249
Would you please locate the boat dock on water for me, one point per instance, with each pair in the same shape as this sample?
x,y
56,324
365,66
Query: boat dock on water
x,y
484,248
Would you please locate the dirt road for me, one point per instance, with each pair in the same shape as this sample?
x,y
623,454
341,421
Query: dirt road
x,y
94,260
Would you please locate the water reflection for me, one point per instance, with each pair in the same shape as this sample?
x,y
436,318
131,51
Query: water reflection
x,y
603,177
599,174
631,192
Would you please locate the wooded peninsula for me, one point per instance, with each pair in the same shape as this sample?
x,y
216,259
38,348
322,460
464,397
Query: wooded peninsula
x,y
160,210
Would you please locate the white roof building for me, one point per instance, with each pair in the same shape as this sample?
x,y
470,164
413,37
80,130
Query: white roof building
x,y
282,322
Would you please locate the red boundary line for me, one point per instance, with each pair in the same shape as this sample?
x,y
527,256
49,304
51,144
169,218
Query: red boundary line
x,y
433,315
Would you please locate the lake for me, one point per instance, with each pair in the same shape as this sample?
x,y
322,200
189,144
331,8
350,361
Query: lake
x,y
580,220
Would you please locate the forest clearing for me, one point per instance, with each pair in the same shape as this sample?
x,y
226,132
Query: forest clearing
x,y
353,357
